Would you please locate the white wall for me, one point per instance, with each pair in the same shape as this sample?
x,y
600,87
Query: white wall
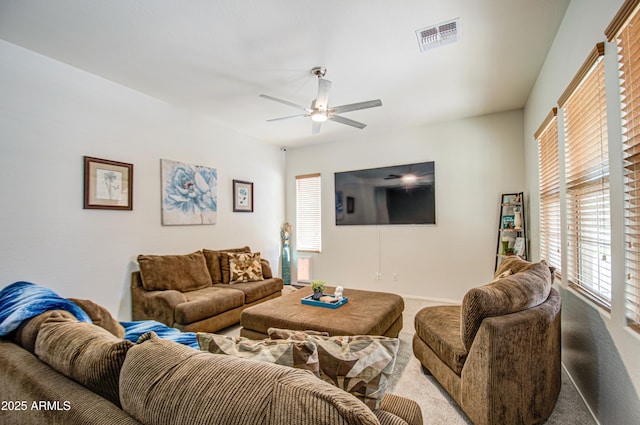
x,y
599,351
476,160
51,115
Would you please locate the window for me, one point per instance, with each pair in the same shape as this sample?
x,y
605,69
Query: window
x,y
548,165
625,31
587,181
308,220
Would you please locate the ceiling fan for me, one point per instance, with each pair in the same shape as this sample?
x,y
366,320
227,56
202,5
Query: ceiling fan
x,y
320,111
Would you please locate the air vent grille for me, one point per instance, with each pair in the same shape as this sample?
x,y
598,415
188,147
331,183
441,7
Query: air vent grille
x,y
439,35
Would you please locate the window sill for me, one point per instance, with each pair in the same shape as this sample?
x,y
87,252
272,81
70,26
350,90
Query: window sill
x,y
590,299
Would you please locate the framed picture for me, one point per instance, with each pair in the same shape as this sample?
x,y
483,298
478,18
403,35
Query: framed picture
x,y
242,196
189,194
108,185
508,221
518,246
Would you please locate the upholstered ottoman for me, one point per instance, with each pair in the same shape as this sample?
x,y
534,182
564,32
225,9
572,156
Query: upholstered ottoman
x,y
366,313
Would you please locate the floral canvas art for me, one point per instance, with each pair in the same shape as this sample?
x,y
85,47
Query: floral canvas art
x,y
189,194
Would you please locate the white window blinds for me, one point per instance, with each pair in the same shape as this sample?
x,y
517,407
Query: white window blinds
x,y
308,217
548,166
625,31
587,181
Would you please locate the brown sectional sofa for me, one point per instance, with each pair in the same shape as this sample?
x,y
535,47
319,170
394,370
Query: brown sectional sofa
x,y
57,370
196,292
497,354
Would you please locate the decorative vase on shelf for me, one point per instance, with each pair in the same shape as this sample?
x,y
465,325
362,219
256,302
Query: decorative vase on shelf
x,y
517,218
505,245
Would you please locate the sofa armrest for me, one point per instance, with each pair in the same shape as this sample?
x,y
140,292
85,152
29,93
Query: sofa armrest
x,y
521,352
398,410
27,379
267,273
153,305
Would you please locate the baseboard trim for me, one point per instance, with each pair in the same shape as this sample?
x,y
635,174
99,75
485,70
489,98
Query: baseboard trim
x,y
431,299
573,382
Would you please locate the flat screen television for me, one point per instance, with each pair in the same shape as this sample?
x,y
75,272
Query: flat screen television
x,y
399,194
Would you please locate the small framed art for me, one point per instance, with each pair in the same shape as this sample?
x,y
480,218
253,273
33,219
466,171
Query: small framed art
x,y
242,196
108,185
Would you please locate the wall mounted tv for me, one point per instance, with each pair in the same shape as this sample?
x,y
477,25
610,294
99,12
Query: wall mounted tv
x,y
399,194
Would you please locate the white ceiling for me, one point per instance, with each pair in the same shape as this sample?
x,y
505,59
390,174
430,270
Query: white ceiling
x,y
216,56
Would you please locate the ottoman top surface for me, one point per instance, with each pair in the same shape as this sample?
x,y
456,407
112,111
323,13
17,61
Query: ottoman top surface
x,y
366,313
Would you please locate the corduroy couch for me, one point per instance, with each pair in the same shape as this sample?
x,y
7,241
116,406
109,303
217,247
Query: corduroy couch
x,y
201,292
498,354
58,370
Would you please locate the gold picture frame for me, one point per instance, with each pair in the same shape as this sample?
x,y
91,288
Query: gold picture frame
x,y
108,185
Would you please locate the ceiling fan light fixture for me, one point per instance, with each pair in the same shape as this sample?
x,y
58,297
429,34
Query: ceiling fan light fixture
x,y
319,116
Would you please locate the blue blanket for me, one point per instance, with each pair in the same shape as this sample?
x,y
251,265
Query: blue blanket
x,y
23,300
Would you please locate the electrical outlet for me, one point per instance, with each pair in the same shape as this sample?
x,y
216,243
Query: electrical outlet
x,y
378,276
395,277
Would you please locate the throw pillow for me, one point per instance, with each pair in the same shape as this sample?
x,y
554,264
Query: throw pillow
x,y
244,267
83,352
502,275
179,272
297,354
275,333
218,263
100,316
360,365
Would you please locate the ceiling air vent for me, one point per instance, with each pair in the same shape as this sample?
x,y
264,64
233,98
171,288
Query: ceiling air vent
x,y
439,35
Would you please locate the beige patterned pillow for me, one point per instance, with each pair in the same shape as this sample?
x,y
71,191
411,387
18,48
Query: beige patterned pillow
x,y
360,365
298,354
244,267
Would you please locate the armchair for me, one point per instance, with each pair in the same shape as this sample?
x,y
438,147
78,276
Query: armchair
x,y
498,354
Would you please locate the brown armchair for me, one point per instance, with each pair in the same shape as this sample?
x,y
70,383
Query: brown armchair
x,y
498,354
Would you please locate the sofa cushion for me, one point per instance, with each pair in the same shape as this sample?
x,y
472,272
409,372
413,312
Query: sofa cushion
x,y
254,291
520,291
26,334
360,365
439,328
179,272
298,354
83,352
100,316
244,267
207,302
511,265
167,383
217,261
267,273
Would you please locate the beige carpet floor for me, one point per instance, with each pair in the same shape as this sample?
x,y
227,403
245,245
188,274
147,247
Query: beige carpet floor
x,y
437,407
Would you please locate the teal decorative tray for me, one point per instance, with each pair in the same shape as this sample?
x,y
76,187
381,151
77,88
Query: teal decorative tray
x,y
308,300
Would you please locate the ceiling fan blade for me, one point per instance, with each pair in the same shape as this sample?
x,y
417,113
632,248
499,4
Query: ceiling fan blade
x,y
286,118
315,127
322,101
285,102
347,121
356,106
